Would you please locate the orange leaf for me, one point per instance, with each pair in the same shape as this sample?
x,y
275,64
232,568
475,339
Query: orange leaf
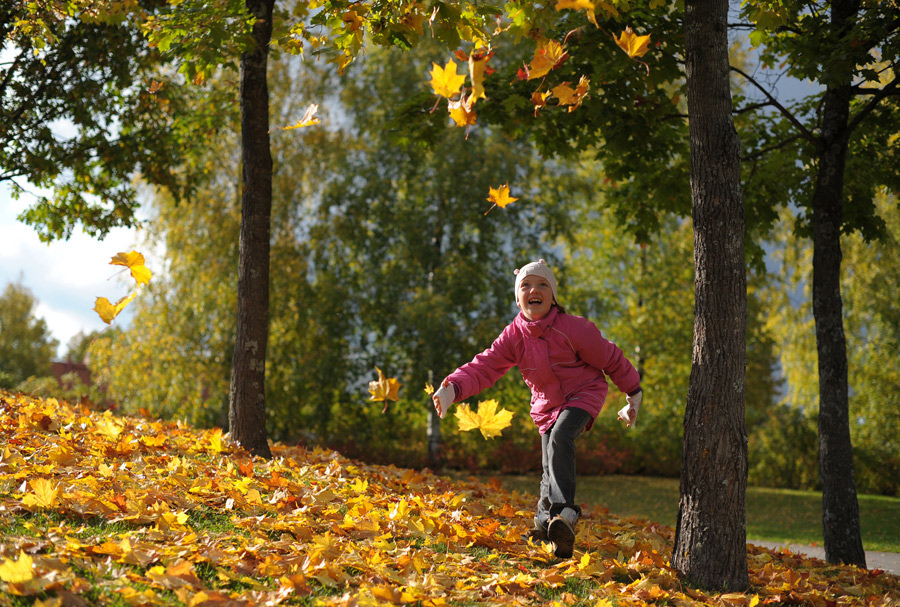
x,y
548,55
500,196
632,44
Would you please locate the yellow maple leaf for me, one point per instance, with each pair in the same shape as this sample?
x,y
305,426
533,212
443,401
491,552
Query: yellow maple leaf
x,y
499,196
548,55
134,261
308,119
461,113
445,81
44,494
632,44
108,311
477,66
586,5
487,420
384,388
18,571
569,96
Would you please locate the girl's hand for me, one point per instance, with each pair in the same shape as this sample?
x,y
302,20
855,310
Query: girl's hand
x,y
443,397
629,412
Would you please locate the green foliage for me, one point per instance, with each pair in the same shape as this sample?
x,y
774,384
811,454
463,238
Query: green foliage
x,y
26,345
782,138
88,107
873,339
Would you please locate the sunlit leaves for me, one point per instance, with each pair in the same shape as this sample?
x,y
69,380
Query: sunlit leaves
x,y
499,197
182,522
488,420
134,261
18,570
445,81
44,494
548,55
632,44
308,119
384,388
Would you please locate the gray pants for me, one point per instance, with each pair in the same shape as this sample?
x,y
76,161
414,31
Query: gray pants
x,y
558,459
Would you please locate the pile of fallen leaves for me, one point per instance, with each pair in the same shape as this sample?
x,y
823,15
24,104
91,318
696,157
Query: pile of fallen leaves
x,y
103,510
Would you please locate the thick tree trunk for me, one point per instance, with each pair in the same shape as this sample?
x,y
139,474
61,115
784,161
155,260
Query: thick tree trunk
x,y
247,414
710,539
840,509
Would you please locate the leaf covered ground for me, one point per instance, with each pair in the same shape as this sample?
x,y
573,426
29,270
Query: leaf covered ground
x,y
97,509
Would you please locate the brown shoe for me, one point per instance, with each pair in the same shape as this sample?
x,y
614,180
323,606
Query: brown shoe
x,y
538,534
562,534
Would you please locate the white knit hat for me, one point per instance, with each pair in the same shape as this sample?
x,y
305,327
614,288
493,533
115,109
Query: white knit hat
x,y
535,268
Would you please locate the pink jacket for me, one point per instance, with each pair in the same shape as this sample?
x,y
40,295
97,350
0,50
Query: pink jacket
x,y
564,360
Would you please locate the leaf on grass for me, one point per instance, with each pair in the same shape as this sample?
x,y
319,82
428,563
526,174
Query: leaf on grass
x,y
44,494
18,571
487,420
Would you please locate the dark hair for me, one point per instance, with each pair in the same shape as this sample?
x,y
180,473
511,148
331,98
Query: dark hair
x,y
561,309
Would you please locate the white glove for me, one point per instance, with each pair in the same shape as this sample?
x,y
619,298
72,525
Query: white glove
x,y
443,398
629,412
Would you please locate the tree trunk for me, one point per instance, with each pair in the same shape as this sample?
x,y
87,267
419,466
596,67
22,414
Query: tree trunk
x,y
247,414
710,538
840,509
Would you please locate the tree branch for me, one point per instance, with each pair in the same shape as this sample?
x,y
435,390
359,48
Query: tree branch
x,y
889,89
751,107
806,133
762,152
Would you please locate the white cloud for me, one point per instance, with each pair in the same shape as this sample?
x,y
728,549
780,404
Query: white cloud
x,y
66,276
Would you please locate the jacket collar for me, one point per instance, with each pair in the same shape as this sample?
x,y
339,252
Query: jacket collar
x,y
536,328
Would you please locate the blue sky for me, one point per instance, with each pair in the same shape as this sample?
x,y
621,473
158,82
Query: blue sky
x,y
67,276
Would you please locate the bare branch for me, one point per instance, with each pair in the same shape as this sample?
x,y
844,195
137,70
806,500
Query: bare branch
x,y
804,132
762,152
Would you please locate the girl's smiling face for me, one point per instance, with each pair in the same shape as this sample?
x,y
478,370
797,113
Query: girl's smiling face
x,y
534,297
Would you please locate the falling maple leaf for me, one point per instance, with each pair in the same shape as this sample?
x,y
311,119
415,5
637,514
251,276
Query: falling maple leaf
x,y
461,113
633,45
445,81
548,55
477,71
499,197
385,389
586,5
108,311
308,119
429,389
134,261
569,96
488,420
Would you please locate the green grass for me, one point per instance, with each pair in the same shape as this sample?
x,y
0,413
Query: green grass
x,y
776,515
